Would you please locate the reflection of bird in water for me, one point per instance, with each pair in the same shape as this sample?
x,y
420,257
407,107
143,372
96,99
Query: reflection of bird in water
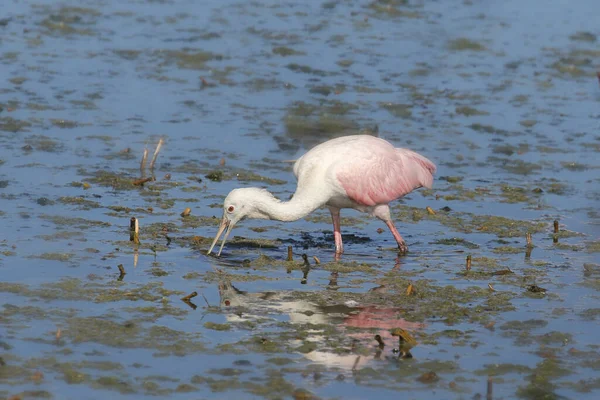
x,y
360,172
242,306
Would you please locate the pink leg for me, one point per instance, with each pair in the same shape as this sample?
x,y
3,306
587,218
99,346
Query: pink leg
x,y
337,234
401,243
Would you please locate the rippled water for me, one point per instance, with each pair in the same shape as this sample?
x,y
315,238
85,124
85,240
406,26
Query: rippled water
x,y
503,97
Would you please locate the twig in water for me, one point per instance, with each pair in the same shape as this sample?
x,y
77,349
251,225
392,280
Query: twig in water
x,y
468,262
489,395
158,147
528,239
206,301
121,272
555,226
290,254
305,258
189,296
134,230
143,163
355,363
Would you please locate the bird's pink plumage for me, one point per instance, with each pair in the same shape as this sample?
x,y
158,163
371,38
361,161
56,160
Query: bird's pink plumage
x,y
380,173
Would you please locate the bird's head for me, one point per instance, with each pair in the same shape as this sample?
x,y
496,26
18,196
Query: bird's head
x,y
239,204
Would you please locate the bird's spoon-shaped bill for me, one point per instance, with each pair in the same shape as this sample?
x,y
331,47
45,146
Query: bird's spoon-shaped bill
x,y
225,224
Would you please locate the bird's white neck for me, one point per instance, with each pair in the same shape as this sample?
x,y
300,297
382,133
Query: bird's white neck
x,y
269,207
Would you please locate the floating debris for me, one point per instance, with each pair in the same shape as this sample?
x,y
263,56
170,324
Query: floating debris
x,y
491,287
290,256
410,290
468,266
141,181
186,212
317,261
430,211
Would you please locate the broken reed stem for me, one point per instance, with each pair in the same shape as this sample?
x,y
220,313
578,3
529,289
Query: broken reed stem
x,y
356,363
489,394
379,341
528,239
189,296
134,230
143,163
205,300
121,269
306,262
290,254
555,226
155,156
468,266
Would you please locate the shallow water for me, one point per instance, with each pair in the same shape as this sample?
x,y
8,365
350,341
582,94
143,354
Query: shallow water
x,y
503,97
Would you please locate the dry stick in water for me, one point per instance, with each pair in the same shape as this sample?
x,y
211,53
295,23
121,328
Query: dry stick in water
x,y
555,238
158,146
134,230
529,245
143,163
206,301
121,272
468,262
290,254
489,395
189,296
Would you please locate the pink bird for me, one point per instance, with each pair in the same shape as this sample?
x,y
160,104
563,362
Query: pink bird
x,y
361,172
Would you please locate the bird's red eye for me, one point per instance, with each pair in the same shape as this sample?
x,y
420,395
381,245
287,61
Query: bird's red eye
x,y
230,209
227,303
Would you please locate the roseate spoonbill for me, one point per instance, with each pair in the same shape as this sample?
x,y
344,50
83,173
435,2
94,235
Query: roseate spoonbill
x,y
361,172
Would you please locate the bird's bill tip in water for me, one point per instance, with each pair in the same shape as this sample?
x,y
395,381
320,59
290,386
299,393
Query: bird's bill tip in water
x,y
227,225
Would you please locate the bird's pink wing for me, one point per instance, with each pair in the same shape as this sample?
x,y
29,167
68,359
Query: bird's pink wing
x,y
379,177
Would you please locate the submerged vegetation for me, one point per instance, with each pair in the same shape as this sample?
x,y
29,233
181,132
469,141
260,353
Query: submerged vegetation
x,y
106,286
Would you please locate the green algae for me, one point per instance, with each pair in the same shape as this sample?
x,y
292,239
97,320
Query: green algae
x,y
398,110
456,242
217,327
79,201
64,257
286,51
465,44
592,246
469,111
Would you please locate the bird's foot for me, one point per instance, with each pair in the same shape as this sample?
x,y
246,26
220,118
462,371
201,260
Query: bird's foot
x,y
402,248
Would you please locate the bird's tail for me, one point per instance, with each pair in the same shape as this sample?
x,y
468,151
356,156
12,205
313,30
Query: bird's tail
x,y
427,167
